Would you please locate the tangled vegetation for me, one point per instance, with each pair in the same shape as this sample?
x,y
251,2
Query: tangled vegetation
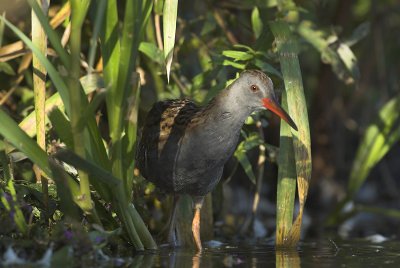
x,y
78,77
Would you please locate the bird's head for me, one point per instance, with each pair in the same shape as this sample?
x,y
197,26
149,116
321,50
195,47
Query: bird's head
x,y
255,90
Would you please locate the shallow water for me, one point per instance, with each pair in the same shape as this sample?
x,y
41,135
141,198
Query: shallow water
x,y
318,253
322,253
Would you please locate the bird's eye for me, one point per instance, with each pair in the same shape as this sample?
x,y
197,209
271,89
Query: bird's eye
x,y
254,88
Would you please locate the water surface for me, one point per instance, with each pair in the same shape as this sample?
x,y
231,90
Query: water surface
x,y
321,253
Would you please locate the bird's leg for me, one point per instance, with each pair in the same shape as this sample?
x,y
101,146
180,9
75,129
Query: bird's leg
x,y
197,204
172,230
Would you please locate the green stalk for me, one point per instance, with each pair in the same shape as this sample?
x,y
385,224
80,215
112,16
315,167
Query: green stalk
x,y
131,36
117,75
297,107
286,190
143,232
39,87
78,12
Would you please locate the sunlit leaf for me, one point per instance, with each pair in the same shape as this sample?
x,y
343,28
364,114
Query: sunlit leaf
x,y
378,139
256,22
169,29
349,60
89,83
237,55
239,66
328,51
152,51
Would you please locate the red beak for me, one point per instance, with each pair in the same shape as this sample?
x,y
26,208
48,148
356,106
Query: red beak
x,y
274,106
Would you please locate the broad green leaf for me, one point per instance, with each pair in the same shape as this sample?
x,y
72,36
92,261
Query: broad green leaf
x,y
169,29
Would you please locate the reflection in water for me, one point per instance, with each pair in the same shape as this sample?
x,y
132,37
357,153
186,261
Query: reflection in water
x,y
196,260
354,253
143,261
287,258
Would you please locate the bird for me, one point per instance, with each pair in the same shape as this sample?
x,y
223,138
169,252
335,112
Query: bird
x,y
183,147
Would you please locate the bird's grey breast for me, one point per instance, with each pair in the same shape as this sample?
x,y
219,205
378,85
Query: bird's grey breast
x,y
204,152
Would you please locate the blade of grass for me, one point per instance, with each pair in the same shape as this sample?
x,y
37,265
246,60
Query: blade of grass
x,y
67,203
110,49
89,83
129,47
51,70
62,126
96,171
101,7
117,78
377,140
78,11
39,39
129,140
2,29
169,28
63,129
90,110
41,21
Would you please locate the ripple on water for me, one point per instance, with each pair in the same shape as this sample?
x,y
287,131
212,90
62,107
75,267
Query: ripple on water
x,y
321,253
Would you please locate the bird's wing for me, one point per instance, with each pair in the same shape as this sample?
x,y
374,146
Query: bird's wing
x,y
167,120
